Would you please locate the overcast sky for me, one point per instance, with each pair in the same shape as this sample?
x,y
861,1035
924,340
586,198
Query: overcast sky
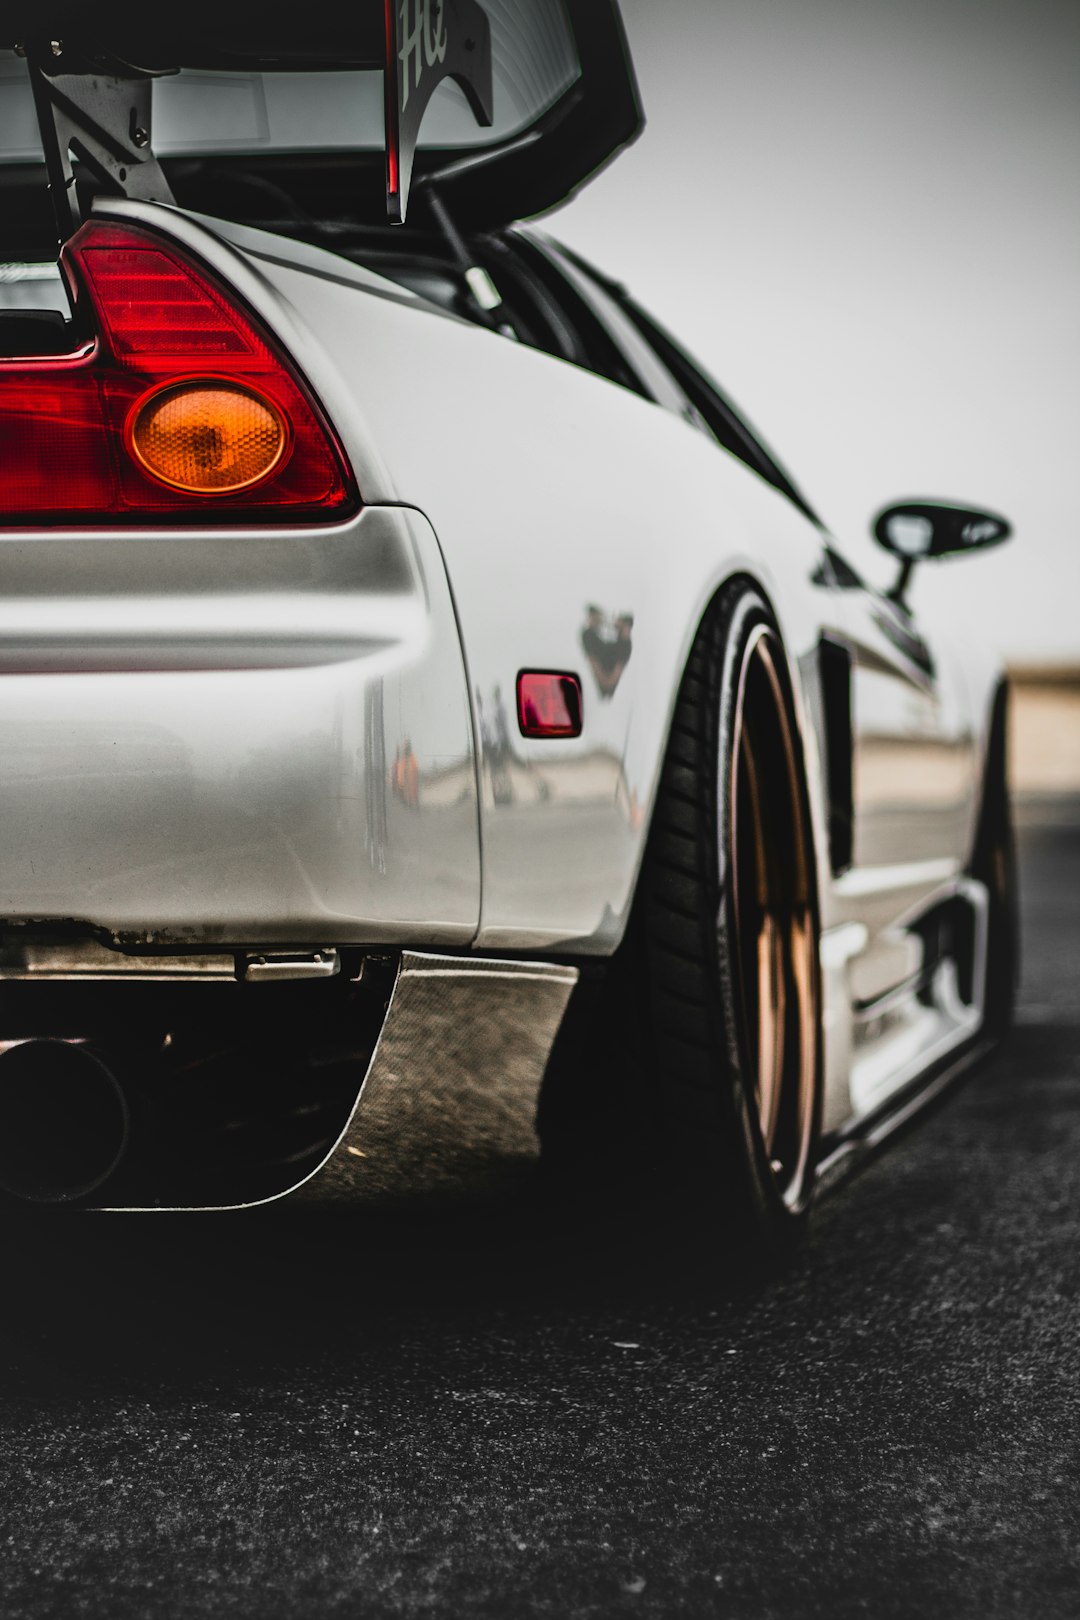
x,y
864,217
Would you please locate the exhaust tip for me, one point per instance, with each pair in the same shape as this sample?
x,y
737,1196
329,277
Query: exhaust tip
x,y
63,1122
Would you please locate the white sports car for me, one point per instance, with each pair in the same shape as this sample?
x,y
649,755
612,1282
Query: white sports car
x,y
409,658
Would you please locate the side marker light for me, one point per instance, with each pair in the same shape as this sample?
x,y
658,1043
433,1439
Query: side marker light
x,y
548,703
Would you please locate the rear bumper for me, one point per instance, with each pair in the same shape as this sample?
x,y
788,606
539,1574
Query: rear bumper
x,y
236,737
408,1076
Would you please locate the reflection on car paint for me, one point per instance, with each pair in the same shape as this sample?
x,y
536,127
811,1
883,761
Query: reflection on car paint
x,y
405,774
375,775
497,749
606,640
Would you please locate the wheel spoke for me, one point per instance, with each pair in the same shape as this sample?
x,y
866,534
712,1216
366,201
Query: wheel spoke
x,y
774,921
771,1023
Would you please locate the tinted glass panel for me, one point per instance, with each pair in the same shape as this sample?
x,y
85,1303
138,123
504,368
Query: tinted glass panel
x,y
596,349
659,384
726,425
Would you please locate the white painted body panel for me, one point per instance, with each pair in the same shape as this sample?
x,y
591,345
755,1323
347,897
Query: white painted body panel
x,y
197,734
548,488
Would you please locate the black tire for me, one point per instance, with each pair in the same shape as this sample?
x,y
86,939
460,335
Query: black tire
x,y
669,1063
994,865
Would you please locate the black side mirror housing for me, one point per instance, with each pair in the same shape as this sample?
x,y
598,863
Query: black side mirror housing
x,y
915,530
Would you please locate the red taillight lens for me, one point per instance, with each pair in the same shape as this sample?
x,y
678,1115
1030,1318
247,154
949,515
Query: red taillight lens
x,y
154,305
183,407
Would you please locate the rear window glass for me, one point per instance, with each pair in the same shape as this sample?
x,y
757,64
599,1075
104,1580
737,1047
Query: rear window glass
x,y
31,286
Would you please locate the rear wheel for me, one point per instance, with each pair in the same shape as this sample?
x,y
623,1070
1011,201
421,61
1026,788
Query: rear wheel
x,y
706,1028
730,921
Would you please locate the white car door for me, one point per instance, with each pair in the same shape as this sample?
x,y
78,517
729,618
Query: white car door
x,y
913,765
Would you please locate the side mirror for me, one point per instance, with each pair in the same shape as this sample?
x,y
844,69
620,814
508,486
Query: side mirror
x,y
914,530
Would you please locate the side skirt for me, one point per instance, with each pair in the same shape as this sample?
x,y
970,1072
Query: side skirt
x,y
846,1150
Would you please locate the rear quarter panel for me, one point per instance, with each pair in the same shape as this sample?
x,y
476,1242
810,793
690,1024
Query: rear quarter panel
x,y
549,489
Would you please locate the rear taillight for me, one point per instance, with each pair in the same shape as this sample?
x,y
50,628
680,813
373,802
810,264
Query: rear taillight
x,y
182,408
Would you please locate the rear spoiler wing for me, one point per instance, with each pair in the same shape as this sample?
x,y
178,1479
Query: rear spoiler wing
x,y
92,63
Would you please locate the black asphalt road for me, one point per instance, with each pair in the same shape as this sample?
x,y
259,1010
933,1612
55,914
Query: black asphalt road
x,y
497,1414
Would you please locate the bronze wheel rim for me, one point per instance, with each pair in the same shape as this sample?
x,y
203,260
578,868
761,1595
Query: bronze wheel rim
x,y
773,919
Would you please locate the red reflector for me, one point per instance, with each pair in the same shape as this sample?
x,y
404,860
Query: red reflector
x,y
549,704
66,423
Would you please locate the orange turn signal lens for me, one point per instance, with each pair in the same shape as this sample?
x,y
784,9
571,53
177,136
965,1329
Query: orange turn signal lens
x,y
207,437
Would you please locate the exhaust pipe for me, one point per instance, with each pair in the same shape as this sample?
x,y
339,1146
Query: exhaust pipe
x,y
64,1122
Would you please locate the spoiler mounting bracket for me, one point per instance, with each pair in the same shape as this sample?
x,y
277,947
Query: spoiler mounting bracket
x,y
99,112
